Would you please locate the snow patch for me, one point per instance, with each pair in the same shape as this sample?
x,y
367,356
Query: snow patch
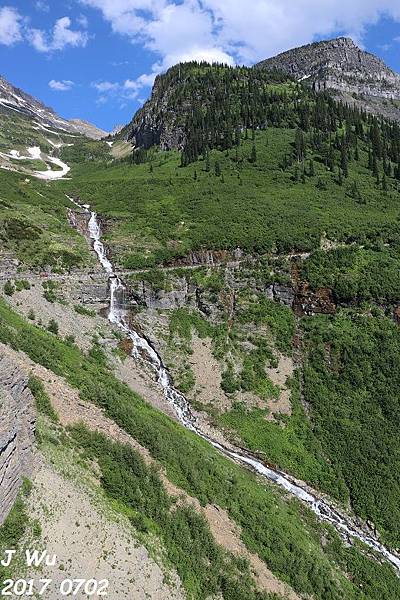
x,y
51,175
35,152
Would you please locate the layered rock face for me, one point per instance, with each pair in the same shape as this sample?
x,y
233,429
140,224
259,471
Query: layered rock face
x,y
17,432
155,123
340,65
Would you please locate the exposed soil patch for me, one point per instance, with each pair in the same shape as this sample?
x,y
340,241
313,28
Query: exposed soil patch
x,y
227,534
82,327
208,375
90,545
279,377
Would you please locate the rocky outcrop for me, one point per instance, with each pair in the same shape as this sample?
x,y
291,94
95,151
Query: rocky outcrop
x,y
284,294
176,297
354,75
17,431
94,293
155,123
88,129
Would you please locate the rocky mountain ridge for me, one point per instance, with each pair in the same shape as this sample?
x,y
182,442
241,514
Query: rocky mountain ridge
x,y
339,65
183,95
13,99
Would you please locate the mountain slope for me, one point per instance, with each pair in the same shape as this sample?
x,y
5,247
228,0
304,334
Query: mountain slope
x,y
32,135
196,105
308,175
340,65
275,238
15,100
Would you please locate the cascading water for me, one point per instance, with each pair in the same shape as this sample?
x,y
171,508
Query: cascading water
x,y
142,348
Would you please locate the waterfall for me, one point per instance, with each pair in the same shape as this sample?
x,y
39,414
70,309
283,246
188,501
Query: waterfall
x,y
343,524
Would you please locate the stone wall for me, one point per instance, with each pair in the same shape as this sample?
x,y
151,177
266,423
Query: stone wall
x,y
17,432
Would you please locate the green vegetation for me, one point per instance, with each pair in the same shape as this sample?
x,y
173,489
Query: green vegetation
x,y
51,291
356,274
83,310
34,225
283,533
288,442
9,288
292,166
43,402
182,321
351,382
84,150
204,568
22,284
11,533
53,326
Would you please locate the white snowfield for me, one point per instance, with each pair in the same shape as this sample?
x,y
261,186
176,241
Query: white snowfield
x,y
34,153
49,174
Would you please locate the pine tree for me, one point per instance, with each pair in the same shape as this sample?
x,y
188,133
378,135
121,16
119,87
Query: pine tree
x,y
217,169
311,168
299,144
344,162
370,160
253,156
375,170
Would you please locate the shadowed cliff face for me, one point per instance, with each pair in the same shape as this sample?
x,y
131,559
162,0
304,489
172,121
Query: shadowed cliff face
x,y
340,65
17,429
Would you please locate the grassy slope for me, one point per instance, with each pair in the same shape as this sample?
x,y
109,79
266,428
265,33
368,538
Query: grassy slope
x,y
259,207
33,224
282,532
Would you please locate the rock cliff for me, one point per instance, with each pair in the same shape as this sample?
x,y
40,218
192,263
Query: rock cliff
x,y
17,431
354,76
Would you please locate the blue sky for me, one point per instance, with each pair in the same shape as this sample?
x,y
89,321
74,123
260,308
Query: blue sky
x,y
97,59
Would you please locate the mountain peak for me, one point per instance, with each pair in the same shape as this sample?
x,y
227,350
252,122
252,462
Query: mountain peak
x,y
350,73
16,100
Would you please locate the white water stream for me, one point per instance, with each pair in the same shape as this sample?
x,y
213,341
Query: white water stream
x,y
343,524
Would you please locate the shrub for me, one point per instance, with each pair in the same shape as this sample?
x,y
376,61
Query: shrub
x,y
53,326
9,288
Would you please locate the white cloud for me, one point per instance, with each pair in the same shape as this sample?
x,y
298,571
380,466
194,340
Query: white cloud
x,y
42,6
122,92
83,21
105,86
237,30
61,86
15,28
61,36
10,26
